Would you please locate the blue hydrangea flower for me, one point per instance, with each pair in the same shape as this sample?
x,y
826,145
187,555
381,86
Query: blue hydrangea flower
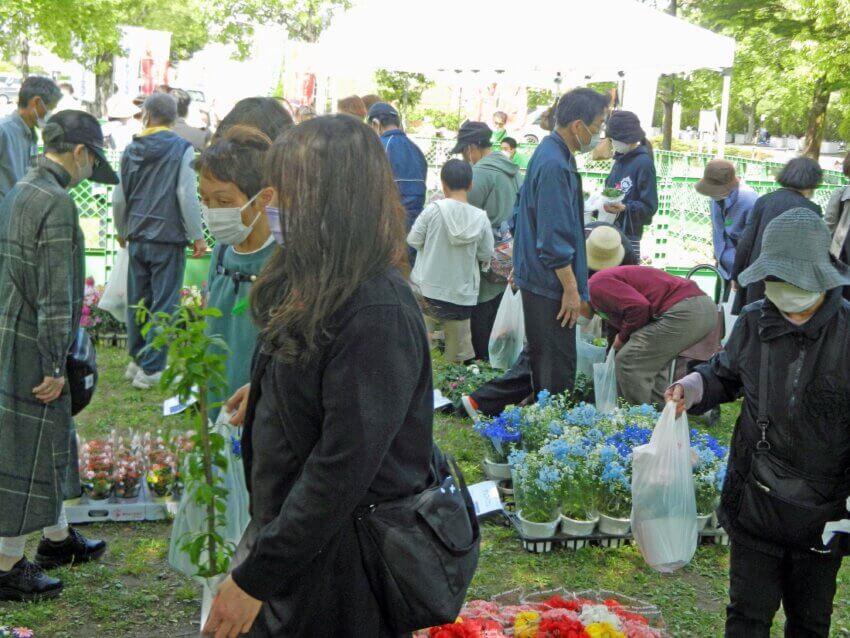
x,y
543,398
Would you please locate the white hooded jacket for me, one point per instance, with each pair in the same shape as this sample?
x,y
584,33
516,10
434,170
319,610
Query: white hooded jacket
x,y
452,240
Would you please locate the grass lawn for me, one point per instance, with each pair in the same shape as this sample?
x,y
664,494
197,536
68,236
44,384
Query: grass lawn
x,y
133,592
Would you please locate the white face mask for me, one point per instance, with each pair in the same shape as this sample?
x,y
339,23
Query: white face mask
x,y
620,147
789,298
40,122
594,140
84,170
226,223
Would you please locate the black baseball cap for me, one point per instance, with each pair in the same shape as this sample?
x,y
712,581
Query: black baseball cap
x,y
78,127
477,133
381,108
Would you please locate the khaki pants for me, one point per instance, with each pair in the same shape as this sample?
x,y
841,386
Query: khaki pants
x,y
643,364
458,338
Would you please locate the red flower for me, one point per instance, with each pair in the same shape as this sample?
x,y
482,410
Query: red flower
x,y
454,630
556,602
566,628
90,282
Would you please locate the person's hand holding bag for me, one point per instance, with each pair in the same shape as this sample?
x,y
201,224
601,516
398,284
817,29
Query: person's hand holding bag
x,y
233,612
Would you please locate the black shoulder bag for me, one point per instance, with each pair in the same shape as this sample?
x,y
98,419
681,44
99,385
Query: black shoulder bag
x,y
780,503
81,367
420,552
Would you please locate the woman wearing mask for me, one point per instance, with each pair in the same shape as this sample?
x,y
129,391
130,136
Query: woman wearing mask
x,y
234,200
799,178
341,399
42,271
634,174
788,463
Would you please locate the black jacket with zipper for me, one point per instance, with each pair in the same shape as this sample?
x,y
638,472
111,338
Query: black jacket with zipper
x,y
808,400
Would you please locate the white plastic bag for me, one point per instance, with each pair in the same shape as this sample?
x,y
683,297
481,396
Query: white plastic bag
x,y
605,383
191,517
587,355
508,335
114,299
664,507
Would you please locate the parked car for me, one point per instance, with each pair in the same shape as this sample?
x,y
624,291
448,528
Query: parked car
x,y
10,85
199,110
532,132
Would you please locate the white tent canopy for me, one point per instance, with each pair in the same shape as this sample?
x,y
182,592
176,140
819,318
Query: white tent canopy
x,y
532,42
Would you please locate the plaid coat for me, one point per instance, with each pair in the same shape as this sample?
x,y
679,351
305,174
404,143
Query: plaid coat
x,y
42,265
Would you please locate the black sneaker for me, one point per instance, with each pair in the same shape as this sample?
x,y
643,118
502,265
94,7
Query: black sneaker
x,y
26,582
74,549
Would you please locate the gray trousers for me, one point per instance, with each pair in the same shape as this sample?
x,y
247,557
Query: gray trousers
x,y
643,364
155,278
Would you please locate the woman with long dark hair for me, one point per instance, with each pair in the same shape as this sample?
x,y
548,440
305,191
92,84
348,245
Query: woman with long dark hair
x,y
341,399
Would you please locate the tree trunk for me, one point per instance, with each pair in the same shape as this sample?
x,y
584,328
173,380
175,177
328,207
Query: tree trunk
x,y
667,129
817,119
751,123
103,83
25,57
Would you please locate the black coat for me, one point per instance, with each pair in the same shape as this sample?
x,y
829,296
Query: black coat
x,y
809,398
318,439
767,208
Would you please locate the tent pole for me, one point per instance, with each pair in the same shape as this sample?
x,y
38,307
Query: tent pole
x,y
724,111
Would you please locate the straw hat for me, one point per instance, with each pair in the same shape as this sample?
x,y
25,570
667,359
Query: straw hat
x,y
795,249
604,248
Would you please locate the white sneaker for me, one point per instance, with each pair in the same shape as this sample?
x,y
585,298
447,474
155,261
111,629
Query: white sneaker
x,y
471,407
132,371
146,381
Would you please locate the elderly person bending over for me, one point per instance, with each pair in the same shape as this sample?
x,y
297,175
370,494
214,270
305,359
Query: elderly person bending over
x,y
789,463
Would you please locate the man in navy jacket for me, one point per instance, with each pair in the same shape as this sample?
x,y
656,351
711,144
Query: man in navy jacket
x,y
550,263
408,163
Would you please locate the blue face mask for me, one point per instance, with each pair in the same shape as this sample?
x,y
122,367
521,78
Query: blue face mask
x,y
275,226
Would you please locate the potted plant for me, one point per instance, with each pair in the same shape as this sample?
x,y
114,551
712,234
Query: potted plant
x,y
96,471
614,491
709,474
128,476
502,437
455,380
196,368
162,469
576,491
537,496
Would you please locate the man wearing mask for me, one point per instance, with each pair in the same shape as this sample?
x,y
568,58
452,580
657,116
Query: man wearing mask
x,y
408,163
157,213
550,261
731,205
42,272
18,146
495,183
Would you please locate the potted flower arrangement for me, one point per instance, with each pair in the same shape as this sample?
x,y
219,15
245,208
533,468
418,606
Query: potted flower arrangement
x,y
128,475
161,476
709,474
91,297
576,490
538,478
96,471
502,436
455,380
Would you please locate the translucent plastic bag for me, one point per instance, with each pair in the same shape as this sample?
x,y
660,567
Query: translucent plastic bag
x,y
114,299
664,507
587,354
605,383
508,335
191,517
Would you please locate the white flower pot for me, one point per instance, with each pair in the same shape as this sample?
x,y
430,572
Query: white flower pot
x,y
97,502
573,527
703,522
497,471
614,526
531,529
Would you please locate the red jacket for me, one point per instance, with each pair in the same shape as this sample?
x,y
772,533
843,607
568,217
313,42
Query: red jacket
x,y
632,296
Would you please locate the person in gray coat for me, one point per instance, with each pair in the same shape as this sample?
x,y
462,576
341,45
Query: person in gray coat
x,y
42,272
18,147
157,213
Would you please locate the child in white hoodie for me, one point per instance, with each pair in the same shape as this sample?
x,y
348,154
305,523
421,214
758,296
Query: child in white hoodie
x,y
453,239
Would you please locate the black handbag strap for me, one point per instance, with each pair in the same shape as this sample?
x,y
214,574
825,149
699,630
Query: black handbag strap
x,y
763,420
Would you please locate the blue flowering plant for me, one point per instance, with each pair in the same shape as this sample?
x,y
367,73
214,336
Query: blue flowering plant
x,y
709,470
570,454
502,434
612,462
537,487
542,421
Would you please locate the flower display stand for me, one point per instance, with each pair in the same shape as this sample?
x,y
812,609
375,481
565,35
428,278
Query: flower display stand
x,y
117,510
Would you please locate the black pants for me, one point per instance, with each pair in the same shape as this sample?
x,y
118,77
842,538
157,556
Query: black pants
x,y
551,348
481,325
511,388
803,581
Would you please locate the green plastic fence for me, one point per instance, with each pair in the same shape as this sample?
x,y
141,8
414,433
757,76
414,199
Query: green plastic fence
x,y
680,236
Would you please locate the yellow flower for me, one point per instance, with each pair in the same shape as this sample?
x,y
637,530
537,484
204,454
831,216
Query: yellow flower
x,y
603,630
526,624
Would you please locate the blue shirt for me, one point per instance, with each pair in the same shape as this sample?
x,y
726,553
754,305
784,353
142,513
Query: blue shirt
x,y
410,169
728,219
549,222
17,149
